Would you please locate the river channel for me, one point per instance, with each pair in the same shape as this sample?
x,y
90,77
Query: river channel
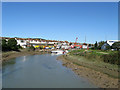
x,y
40,71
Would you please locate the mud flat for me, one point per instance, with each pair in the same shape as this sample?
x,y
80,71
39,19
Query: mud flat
x,y
97,78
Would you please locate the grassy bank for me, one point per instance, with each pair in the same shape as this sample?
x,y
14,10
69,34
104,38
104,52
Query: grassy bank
x,y
111,57
106,62
88,70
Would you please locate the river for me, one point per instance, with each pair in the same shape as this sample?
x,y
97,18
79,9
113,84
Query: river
x,y
40,71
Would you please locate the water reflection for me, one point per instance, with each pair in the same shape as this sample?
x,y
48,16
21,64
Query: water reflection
x,y
24,58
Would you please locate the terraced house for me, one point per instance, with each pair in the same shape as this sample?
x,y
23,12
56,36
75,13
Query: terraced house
x,y
36,42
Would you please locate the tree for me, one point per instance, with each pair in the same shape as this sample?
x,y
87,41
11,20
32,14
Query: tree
x,y
116,45
31,48
12,44
70,43
41,47
90,45
19,47
108,47
96,45
100,44
4,45
0,44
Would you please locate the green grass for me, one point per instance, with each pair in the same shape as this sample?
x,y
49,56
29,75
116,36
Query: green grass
x,y
111,57
103,61
77,63
95,65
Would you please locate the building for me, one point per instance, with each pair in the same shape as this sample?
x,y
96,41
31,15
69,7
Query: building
x,y
105,46
36,42
110,42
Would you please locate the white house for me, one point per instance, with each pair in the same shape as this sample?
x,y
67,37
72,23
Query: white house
x,y
84,46
23,42
110,42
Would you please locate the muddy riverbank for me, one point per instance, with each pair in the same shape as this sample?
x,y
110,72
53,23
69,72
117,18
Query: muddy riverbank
x,y
97,78
6,56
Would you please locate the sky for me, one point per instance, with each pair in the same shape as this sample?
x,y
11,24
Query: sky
x,y
97,21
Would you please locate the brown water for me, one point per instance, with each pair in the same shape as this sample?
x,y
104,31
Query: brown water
x,y
40,71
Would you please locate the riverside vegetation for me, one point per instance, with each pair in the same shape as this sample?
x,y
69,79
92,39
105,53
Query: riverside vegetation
x,y
111,57
106,62
10,49
99,67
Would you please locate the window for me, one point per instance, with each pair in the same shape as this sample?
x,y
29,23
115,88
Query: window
x,y
22,41
111,41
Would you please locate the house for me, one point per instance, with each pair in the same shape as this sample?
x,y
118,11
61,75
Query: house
x,y
36,42
85,46
105,46
22,42
110,42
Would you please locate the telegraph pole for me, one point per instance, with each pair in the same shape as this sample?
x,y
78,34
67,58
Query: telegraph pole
x,y
85,38
105,37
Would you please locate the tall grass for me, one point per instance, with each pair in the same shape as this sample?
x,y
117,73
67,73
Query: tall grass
x,y
112,57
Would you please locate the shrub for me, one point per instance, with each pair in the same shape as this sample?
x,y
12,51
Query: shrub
x,y
112,58
100,44
4,45
96,45
19,47
41,47
12,44
116,45
31,48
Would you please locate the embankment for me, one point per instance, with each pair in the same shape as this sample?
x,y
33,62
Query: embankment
x,y
90,71
6,56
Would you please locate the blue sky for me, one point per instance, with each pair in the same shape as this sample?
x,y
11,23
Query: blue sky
x,y
61,21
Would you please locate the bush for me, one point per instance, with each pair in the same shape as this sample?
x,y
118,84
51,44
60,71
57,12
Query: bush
x,y
116,45
41,47
4,45
31,48
19,47
112,58
108,47
92,48
100,44
96,45
12,44
9,45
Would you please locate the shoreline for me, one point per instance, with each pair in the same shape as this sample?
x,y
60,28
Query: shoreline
x,y
7,56
99,79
